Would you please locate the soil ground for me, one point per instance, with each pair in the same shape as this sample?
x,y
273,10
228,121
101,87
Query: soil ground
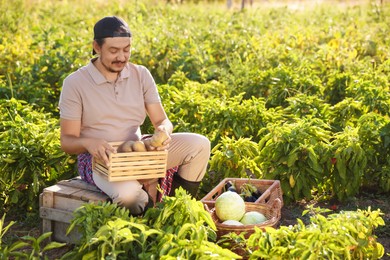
x,y
289,215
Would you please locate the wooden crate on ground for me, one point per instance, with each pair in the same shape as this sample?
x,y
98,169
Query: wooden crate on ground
x,y
58,202
132,165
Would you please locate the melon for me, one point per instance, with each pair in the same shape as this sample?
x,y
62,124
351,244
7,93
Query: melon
x,y
232,223
252,218
229,206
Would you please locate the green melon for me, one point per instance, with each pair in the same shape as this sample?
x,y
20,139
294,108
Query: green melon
x,y
232,223
229,206
252,218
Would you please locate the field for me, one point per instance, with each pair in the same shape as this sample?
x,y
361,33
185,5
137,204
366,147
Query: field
x,y
291,90
289,215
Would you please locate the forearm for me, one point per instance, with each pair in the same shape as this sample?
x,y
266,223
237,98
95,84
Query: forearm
x,y
98,148
159,118
166,124
73,144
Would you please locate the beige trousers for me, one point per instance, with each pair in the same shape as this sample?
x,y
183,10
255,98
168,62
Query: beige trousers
x,y
189,151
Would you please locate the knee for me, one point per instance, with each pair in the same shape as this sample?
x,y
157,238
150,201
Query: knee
x,y
124,199
132,198
136,205
203,143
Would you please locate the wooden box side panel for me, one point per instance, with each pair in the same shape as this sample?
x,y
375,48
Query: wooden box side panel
x,y
58,203
59,233
67,203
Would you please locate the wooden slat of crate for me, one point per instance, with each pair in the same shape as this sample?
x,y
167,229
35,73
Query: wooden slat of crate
x,y
58,202
146,175
133,165
139,156
78,183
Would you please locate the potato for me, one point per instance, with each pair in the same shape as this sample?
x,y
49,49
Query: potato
x,y
139,146
148,145
126,147
158,138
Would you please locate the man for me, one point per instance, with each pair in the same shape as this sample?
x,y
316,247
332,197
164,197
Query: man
x,y
108,100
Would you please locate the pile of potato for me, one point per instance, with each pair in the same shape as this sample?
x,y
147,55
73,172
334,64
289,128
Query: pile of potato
x,y
149,144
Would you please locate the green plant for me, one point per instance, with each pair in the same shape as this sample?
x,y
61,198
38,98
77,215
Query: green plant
x,y
286,82
371,94
346,113
235,158
120,239
350,161
336,85
384,179
372,127
178,227
190,242
302,105
238,118
31,157
296,154
175,211
90,217
345,235
27,247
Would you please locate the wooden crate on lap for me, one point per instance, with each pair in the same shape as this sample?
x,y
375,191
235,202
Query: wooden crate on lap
x,y
132,165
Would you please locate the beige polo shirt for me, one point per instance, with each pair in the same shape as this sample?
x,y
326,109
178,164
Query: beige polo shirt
x,y
112,111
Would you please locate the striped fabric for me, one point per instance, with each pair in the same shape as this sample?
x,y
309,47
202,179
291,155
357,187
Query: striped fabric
x,y
84,166
166,182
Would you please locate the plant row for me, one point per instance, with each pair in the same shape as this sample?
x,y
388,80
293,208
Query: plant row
x,y
279,95
180,227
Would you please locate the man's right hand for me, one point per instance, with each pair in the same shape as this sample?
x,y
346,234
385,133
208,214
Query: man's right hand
x,y
99,149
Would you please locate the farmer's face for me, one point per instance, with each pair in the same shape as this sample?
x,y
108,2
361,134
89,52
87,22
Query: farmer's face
x,y
114,53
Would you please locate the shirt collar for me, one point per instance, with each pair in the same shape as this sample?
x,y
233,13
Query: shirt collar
x,y
99,78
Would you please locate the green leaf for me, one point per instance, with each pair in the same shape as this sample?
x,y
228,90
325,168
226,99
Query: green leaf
x,y
292,158
53,245
341,168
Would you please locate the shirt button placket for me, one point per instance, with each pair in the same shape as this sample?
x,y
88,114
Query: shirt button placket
x,y
116,92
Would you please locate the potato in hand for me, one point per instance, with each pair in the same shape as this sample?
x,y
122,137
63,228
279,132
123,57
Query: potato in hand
x,y
158,138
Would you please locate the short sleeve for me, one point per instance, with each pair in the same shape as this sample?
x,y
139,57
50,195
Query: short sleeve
x,y
151,95
70,102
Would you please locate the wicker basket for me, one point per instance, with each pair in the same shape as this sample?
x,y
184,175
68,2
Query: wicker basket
x,y
271,211
132,165
270,190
